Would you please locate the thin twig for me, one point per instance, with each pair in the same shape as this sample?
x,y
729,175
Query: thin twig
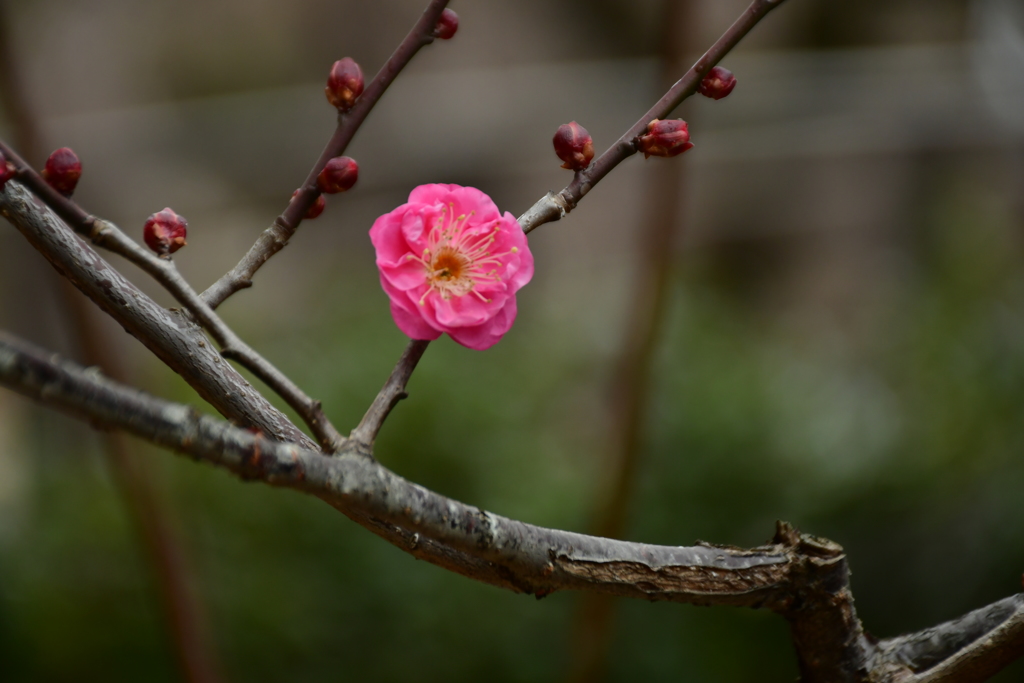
x,y
276,236
554,206
393,392
107,235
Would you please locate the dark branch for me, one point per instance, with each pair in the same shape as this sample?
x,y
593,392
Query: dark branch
x,y
803,578
973,647
276,237
828,637
520,556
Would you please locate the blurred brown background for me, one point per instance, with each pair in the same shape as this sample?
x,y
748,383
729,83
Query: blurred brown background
x,y
841,344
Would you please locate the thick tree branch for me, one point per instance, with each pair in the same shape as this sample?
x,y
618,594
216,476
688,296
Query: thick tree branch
x,y
828,637
554,206
107,235
971,648
984,658
801,577
170,335
528,558
276,237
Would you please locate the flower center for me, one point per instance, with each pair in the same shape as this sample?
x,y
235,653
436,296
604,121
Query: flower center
x,y
448,264
448,272
456,262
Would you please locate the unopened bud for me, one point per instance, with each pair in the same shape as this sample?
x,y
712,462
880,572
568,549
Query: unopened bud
x,y
7,170
447,25
344,84
340,174
717,84
62,171
665,138
164,232
573,145
316,209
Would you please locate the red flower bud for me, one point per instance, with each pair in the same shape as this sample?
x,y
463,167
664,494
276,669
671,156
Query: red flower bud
x,y
665,138
447,25
318,206
573,145
7,170
62,171
717,84
344,84
164,232
340,174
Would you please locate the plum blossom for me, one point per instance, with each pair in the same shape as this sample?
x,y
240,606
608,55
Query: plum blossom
x,y
450,262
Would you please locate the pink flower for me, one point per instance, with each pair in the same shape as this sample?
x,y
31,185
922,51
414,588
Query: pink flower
x,y
450,262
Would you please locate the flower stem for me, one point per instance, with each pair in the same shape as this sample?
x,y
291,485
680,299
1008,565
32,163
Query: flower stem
x,y
393,391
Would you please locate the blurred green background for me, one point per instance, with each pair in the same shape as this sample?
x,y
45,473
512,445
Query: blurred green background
x,y
842,345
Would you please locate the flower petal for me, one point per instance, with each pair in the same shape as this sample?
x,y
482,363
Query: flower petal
x,y
407,314
406,274
485,336
463,311
417,222
411,324
387,238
